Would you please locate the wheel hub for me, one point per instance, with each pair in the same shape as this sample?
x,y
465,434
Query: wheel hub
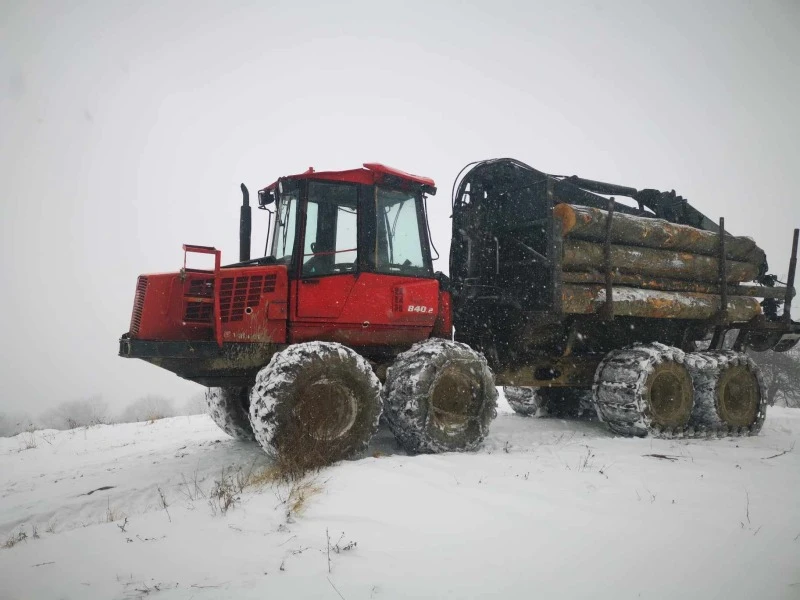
x,y
327,409
453,399
671,396
738,396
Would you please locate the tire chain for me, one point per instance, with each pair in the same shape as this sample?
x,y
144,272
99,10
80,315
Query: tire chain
x,y
615,393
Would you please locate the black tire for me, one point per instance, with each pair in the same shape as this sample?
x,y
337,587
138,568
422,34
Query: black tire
x,y
729,393
522,400
314,404
439,396
229,409
561,403
567,403
644,390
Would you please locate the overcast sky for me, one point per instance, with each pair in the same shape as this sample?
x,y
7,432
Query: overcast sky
x,y
126,127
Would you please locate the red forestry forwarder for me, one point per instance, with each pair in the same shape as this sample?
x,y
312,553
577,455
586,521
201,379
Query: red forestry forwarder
x,y
297,342
576,301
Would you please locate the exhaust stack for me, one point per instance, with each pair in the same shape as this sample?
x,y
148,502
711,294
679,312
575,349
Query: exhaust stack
x,y
245,225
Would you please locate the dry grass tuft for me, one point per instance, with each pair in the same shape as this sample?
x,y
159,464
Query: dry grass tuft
x,y
299,494
292,491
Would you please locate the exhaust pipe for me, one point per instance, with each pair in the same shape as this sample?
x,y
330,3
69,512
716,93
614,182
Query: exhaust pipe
x,y
245,225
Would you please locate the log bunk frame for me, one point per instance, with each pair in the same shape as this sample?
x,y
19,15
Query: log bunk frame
x,y
568,310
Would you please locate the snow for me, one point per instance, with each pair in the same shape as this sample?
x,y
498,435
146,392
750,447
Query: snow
x,y
546,508
626,294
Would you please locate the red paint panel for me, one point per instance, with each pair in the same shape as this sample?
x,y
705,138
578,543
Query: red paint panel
x,y
372,173
379,310
392,300
384,170
246,298
322,297
160,307
444,320
177,307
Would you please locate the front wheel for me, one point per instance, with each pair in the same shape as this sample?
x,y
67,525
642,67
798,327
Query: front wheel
x,y
439,396
314,404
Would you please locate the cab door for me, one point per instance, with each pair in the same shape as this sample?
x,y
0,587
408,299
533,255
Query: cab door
x,y
396,299
327,270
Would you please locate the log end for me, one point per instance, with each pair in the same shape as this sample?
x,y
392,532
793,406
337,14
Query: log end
x,y
566,214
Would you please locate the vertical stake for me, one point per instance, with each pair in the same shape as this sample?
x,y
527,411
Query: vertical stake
x,y
556,250
722,316
787,303
608,308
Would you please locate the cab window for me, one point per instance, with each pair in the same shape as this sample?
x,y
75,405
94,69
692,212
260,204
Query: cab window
x,y
398,249
330,243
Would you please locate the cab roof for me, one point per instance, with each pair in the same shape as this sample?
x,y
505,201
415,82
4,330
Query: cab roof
x,y
370,174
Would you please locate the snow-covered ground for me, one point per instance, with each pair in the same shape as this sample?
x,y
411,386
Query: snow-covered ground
x,y
547,509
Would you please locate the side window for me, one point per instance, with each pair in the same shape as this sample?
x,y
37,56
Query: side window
x,y
398,247
283,241
331,243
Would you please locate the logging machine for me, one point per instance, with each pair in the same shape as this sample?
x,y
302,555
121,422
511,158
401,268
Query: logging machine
x,y
640,312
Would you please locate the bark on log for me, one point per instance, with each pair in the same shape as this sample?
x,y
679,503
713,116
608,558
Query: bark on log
x,y
586,223
579,255
654,304
675,285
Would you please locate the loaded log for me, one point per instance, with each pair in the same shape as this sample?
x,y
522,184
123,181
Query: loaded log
x,y
675,285
656,304
587,223
579,255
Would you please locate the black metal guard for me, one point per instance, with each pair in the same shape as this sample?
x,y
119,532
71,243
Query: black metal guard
x,y
787,303
556,250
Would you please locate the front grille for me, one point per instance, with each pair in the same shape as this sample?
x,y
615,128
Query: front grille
x,y
198,312
203,288
138,305
238,293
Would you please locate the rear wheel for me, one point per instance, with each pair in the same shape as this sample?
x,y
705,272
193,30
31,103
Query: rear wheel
x,y
439,396
644,390
314,404
228,407
729,393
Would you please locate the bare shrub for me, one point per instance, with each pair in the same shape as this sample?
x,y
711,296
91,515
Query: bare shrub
x,y
15,538
76,413
112,513
195,405
190,489
164,504
28,440
225,494
148,408
12,424
781,371
338,547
